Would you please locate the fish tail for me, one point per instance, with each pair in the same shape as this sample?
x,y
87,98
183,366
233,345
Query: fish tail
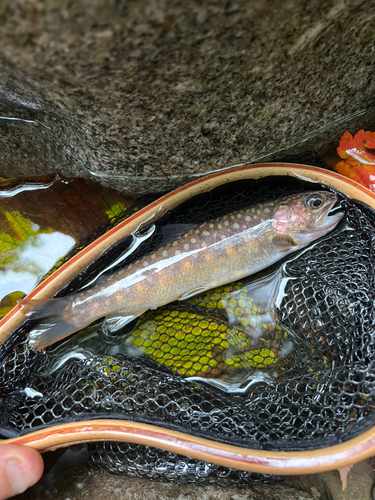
x,y
50,326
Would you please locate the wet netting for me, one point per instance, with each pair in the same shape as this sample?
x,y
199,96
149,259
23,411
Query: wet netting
x,y
317,393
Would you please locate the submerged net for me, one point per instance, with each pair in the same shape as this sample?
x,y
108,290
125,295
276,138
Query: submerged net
x,y
319,395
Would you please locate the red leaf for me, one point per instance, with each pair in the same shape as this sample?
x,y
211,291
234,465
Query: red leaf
x,y
358,153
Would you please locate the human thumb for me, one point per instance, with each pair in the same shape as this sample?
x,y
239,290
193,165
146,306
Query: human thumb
x,y
20,467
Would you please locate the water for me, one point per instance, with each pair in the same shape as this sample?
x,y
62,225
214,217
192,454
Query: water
x,y
27,250
229,337
41,219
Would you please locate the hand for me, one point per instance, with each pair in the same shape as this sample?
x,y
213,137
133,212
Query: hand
x,y
20,467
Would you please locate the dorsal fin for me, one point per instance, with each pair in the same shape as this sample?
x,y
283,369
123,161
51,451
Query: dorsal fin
x,y
173,231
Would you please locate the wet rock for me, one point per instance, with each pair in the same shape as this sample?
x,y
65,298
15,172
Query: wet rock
x,y
148,95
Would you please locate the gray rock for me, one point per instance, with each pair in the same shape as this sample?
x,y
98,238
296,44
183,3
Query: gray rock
x,y
67,475
360,482
96,485
148,95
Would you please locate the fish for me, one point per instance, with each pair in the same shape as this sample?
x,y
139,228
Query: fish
x,y
214,253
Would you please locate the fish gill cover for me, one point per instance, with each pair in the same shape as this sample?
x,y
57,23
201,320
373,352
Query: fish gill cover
x,y
322,396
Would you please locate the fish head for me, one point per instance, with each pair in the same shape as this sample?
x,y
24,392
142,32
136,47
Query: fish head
x,y
306,217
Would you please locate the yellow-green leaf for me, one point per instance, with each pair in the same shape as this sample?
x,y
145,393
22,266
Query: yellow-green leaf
x,y
9,301
115,209
7,242
22,226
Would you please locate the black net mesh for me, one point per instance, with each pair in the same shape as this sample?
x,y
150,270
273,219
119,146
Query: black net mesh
x,y
321,395
135,460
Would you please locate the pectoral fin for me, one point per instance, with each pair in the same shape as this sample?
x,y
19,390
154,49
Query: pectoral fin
x,y
190,294
117,321
283,242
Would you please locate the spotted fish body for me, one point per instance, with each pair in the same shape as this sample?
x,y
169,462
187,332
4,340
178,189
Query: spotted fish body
x,y
214,253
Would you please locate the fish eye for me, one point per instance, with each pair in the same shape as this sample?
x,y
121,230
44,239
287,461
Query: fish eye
x,y
315,201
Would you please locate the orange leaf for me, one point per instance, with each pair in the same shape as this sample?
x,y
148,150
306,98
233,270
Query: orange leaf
x,y
358,153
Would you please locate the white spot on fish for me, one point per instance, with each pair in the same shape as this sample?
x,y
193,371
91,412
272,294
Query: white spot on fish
x,y
186,246
247,218
235,225
165,253
239,216
206,233
252,210
226,223
211,226
232,217
219,226
146,264
267,210
174,243
193,240
177,252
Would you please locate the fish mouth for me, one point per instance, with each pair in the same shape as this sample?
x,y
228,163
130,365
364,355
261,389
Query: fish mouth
x,y
331,219
329,216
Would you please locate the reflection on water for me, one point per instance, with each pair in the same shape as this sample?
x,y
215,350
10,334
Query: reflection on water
x,y
32,259
27,249
40,220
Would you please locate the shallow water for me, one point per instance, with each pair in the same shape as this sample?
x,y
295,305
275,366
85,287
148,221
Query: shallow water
x,y
41,219
230,337
239,322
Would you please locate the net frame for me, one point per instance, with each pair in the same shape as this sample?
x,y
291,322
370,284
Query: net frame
x,y
329,444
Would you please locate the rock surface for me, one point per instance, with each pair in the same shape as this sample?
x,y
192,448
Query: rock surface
x,y
68,476
70,479
148,95
360,483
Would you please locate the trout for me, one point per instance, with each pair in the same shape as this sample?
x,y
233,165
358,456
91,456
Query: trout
x,y
214,253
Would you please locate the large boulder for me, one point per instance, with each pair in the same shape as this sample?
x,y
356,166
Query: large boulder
x,y
145,95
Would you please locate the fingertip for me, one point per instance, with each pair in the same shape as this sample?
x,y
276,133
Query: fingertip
x,y
20,468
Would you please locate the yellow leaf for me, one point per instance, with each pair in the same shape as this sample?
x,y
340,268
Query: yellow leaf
x,y
21,226
7,242
9,301
115,209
